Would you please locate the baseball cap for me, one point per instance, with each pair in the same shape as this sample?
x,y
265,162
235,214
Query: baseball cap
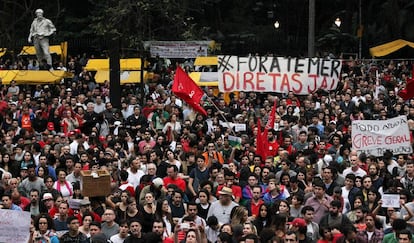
x,y
50,126
298,222
158,182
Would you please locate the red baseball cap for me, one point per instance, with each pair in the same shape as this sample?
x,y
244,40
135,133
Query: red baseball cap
x,y
298,222
50,126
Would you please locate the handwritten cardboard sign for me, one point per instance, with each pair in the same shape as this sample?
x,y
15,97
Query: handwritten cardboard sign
x,y
14,226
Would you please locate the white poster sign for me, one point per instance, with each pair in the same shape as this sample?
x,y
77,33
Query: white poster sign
x,y
277,74
178,49
374,137
390,200
14,226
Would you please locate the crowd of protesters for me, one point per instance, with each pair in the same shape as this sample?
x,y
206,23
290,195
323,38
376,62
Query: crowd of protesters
x,y
177,177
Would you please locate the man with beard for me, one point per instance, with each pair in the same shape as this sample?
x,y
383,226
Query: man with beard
x,y
136,235
147,141
223,207
335,219
371,234
34,206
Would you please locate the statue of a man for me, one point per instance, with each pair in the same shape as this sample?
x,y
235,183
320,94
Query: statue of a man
x,y
40,31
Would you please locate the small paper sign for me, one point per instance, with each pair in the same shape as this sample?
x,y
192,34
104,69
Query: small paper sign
x,y
391,201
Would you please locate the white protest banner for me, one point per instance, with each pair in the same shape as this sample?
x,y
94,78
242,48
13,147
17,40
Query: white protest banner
x,y
178,49
238,127
375,136
277,74
14,226
390,200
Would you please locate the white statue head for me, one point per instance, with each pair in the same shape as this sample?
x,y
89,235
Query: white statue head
x,y
39,12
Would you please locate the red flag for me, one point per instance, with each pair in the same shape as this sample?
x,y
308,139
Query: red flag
x,y
271,121
185,88
262,143
259,144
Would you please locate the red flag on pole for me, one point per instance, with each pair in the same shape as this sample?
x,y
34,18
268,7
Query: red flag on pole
x,y
271,121
186,89
262,143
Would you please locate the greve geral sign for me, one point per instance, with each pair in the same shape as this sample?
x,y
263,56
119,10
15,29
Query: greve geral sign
x,y
277,74
374,137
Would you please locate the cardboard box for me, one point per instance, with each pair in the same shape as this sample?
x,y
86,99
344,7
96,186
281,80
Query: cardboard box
x,y
99,185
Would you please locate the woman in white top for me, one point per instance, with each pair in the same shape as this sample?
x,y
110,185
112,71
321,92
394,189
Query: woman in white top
x,y
171,159
86,221
62,185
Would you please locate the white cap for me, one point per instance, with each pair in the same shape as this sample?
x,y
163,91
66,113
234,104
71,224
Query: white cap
x,y
158,182
39,10
327,158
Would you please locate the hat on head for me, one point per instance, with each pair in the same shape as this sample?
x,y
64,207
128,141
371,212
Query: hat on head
x,y
50,126
47,196
46,87
226,191
158,182
332,122
68,90
85,202
298,222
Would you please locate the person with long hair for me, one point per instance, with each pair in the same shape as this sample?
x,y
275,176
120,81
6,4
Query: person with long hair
x,y
372,201
326,235
87,219
358,202
203,203
172,159
132,209
239,215
249,228
147,212
263,219
282,206
163,212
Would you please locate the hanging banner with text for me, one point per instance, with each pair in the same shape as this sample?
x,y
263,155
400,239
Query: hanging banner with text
x,y
178,49
375,136
277,74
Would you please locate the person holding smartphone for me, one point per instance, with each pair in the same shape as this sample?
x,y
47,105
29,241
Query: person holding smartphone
x,y
44,234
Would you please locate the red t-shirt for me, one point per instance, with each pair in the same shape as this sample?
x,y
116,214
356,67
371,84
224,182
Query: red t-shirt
x,y
254,208
178,181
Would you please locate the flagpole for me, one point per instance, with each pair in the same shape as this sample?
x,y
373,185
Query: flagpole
x,y
221,113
